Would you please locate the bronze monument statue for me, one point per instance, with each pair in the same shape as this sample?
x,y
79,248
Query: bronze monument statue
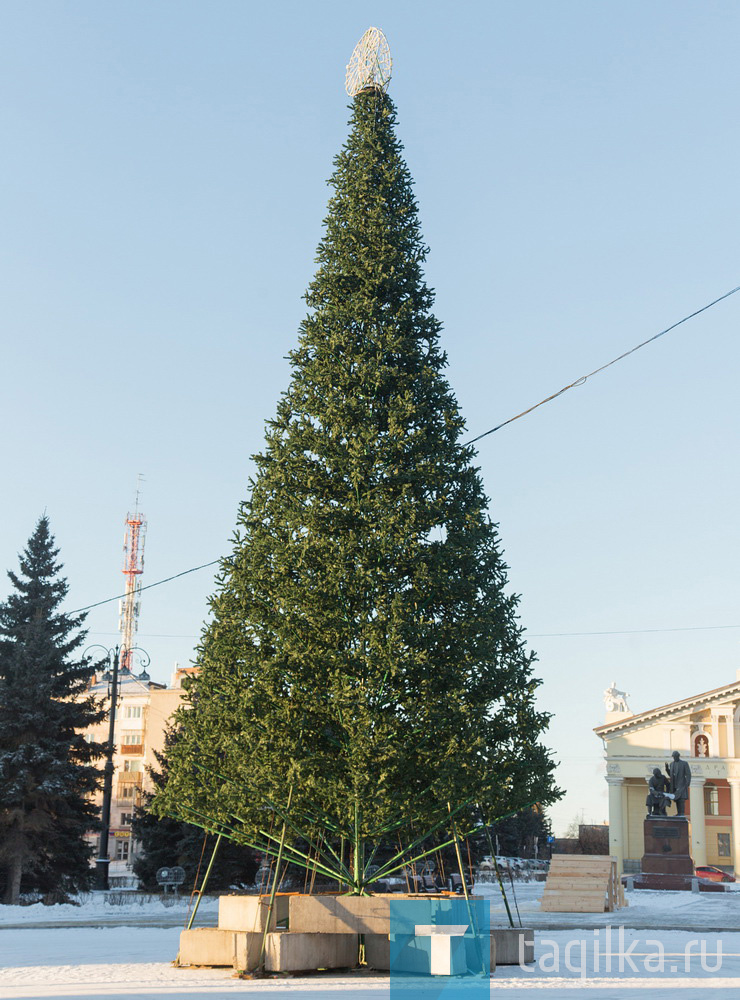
x,y
680,774
657,797
667,861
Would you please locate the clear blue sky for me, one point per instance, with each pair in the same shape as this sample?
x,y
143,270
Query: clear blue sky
x,y
162,190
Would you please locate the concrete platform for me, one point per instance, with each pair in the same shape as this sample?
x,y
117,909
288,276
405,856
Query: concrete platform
x,y
323,934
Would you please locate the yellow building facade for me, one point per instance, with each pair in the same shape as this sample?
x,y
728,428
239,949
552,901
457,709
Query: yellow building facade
x,y
144,707
705,729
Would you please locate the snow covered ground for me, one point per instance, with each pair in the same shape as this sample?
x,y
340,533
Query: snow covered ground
x,y
717,911
87,954
119,909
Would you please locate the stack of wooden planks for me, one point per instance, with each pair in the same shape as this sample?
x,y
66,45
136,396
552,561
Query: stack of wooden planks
x,y
583,883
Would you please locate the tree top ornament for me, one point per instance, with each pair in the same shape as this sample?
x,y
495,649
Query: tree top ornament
x,y
370,64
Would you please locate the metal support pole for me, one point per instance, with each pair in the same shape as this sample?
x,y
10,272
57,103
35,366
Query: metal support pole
x,y
204,883
471,915
102,862
497,869
275,883
358,854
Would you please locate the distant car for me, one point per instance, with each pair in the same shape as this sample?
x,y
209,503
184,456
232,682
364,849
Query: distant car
x,y
713,874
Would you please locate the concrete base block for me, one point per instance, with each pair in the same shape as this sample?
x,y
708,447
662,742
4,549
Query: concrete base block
x,y
340,914
378,951
298,952
207,946
512,946
284,951
247,946
249,913
333,914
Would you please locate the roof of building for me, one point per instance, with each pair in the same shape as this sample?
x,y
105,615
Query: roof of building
x,y
673,708
128,683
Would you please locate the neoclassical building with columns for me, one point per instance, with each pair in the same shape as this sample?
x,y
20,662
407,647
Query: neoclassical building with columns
x,y
705,729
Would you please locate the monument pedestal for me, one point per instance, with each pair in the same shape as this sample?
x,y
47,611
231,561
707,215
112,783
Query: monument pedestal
x,y
667,846
666,863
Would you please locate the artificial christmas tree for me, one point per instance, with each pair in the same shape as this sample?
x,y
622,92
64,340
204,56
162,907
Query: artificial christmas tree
x,y
363,678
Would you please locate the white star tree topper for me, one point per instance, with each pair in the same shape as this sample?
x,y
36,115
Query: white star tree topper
x,y
370,65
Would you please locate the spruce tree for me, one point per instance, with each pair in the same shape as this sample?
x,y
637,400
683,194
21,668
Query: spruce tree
x,y
47,768
363,673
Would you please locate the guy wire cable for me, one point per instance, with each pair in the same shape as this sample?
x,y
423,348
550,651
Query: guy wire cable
x,y
579,381
584,378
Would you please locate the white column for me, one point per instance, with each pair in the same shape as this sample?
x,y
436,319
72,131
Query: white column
x,y
698,826
715,736
735,835
616,819
626,822
730,725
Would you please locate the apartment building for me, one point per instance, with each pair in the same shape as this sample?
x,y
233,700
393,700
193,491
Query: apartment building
x,y
143,709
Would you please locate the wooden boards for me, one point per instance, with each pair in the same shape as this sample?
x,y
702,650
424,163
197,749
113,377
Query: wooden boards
x,y
582,883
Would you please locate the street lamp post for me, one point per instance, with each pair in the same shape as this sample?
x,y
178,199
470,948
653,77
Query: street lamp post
x,y
102,862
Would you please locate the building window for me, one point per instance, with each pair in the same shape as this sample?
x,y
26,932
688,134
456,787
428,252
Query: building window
x,y
131,742
127,791
122,848
126,819
132,712
711,800
134,766
723,845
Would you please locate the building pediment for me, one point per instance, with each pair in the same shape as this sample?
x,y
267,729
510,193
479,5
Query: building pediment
x,y
683,710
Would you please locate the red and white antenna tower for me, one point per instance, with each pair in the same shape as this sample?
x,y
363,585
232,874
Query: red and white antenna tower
x,y
133,567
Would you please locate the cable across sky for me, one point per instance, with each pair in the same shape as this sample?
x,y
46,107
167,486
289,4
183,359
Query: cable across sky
x,y
149,586
572,385
583,378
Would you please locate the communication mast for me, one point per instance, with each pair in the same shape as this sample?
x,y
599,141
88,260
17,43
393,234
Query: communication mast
x,y
133,567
